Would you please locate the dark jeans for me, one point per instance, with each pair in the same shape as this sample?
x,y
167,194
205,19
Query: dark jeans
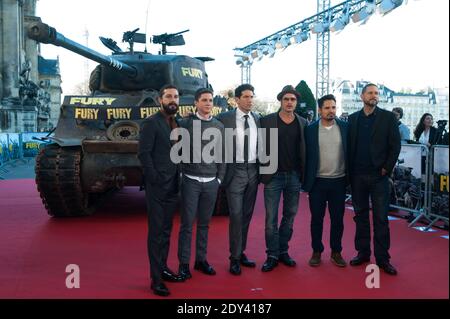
x,y
198,200
277,239
331,191
162,202
375,187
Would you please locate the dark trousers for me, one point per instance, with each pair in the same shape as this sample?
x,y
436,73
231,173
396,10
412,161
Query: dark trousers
x,y
241,196
198,201
162,202
277,238
375,187
331,191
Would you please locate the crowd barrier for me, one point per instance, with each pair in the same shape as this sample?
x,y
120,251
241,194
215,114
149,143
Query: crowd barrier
x,y
420,183
438,181
17,146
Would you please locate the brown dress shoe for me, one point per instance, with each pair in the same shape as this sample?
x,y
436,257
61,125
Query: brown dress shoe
x,y
315,259
337,259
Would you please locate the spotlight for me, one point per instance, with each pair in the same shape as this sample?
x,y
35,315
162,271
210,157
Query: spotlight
x,y
364,14
299,37
339,24
283,43
256,54
387,6
319,27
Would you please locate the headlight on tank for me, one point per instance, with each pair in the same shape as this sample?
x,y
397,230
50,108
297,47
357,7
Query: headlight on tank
x,y
123,131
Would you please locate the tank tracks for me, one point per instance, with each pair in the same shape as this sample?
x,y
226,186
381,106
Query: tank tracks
x,y
58,181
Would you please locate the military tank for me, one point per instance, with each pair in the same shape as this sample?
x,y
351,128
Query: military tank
x,y
93,149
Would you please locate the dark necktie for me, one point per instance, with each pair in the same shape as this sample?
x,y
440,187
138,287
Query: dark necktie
x,y
246,138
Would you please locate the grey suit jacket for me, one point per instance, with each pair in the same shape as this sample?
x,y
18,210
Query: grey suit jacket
x,y
229,121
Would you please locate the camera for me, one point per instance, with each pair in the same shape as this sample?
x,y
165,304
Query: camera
x,y
441,123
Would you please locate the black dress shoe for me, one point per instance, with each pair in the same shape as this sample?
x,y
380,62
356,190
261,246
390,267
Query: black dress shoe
x,y
387,268
169,275
204,267
359,260
247,262
287,260
184,271
269,264
160,289
235,268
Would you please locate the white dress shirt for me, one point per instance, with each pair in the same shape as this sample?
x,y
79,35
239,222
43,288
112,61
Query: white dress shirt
x,y
240,129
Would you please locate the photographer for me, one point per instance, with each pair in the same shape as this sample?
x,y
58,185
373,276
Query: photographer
x,y
442,133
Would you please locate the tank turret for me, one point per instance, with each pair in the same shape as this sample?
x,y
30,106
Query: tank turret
x,y
133,70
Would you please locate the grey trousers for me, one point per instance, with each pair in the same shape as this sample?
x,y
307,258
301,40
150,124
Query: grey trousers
x,y
241,195
198,201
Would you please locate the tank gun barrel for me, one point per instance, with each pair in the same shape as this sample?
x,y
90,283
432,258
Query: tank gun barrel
x,y
43,33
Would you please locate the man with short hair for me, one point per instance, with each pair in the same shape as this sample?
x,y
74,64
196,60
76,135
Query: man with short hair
x,y
241,178
161,186
325,180
405,134
374,146
200,182
290,152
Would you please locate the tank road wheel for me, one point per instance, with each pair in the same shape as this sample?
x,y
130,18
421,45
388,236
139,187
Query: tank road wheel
x,y
58,181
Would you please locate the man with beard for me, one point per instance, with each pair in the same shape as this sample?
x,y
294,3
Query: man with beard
x,y
161,177
326,145
374,146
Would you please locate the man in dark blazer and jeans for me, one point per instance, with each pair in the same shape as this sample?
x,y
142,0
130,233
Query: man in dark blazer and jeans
x,y
289,150
374,146
325,180
161,177
242,177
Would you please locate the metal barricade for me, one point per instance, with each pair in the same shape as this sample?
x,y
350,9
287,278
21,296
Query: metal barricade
x,y
411,183
438,180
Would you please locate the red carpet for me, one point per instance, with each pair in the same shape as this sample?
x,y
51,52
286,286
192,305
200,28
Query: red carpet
x,y
110,249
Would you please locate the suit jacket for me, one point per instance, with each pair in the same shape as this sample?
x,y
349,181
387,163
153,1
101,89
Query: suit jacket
x,y
384,142
271,121
228,119
312,151
154,152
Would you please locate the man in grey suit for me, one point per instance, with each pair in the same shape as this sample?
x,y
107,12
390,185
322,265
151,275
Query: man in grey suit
x,y
241,178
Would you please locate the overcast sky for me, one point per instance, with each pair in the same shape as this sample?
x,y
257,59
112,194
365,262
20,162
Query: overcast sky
x,y
409,47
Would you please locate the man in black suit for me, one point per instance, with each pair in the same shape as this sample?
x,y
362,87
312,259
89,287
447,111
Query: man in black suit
x,y
161,177
325,180
289,151
374,146
241,178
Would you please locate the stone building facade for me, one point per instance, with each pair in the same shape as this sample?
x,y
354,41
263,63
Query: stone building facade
x,y
28,98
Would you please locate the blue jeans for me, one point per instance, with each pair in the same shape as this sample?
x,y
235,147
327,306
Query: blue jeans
x,y
277,238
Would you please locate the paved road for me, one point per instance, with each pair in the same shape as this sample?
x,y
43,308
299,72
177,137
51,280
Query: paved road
x,y
18,169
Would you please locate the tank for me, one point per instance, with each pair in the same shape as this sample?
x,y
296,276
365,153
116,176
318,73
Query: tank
x,y
93,149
